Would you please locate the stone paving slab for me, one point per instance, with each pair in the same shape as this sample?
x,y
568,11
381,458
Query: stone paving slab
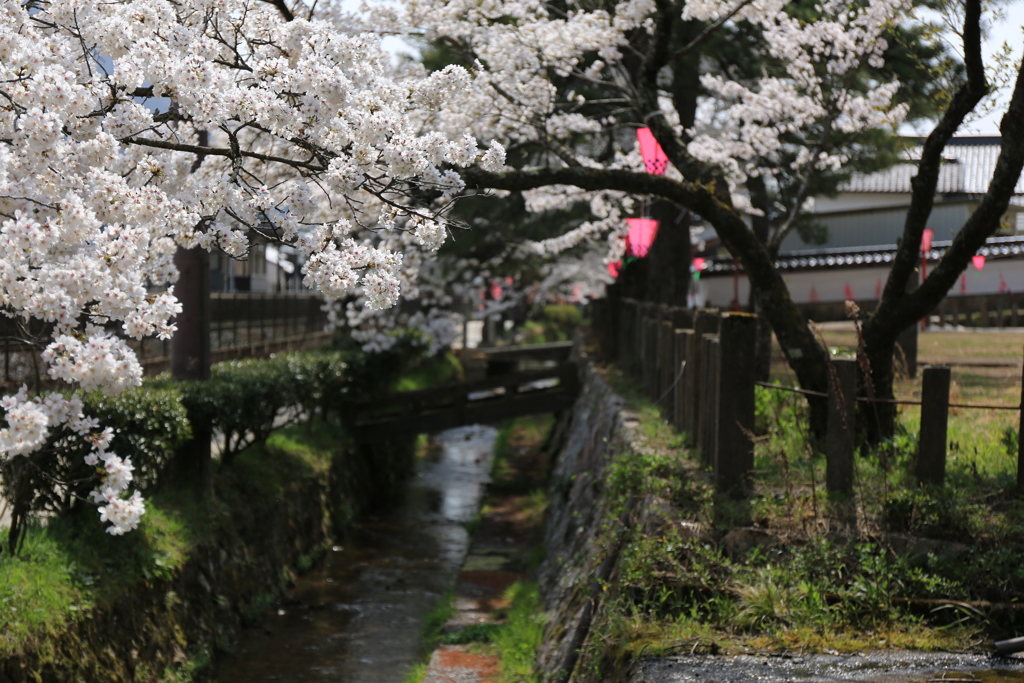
x,y
869,667
456,664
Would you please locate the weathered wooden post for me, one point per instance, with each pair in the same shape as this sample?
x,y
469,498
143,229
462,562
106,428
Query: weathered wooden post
x,y
734,448
651,344
1020,441
708,398
683,392
682,318
627,334
705,322
667,369
931,445
842,410
612,309
637,332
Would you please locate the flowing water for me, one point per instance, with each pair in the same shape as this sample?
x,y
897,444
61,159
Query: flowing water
x,y
356,616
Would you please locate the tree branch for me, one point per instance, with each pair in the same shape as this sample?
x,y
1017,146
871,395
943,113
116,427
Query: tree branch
x,y
710,29
981,224
283,9
219,152
805,355
647,93
924,183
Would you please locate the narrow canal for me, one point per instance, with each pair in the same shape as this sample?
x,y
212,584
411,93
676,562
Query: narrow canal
x,y
357,615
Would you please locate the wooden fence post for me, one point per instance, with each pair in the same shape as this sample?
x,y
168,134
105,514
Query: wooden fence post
x,y
682,318
683,393
842,407
705,322
1020,441
627,333
708,398
931,445
667,369
650,356
734,450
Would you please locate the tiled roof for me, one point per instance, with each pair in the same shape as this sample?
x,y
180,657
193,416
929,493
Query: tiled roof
x,y
968,165
880,255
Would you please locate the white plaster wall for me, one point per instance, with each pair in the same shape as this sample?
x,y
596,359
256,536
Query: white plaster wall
x,y
859,201
864,283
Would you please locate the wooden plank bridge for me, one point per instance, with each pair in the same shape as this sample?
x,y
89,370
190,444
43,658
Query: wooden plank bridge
x,y
504,389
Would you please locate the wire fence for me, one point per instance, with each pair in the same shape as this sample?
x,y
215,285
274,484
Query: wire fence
x,y
891,401
699,366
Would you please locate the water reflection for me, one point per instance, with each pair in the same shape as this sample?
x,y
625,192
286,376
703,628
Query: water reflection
x,y
357,615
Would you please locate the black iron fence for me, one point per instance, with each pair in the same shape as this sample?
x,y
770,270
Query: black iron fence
x,y
241,326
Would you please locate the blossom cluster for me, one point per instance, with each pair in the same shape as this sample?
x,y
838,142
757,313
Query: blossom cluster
x,y
132,128
799,120
30,420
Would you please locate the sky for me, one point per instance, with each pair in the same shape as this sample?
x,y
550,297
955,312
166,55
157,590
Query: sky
x,y
1008,31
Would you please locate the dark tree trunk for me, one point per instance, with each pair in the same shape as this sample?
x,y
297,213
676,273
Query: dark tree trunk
x,y
190,360
879,418
668,270
761,227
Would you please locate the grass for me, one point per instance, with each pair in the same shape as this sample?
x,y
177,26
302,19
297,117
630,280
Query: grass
x,y
518,640
676,593
71,566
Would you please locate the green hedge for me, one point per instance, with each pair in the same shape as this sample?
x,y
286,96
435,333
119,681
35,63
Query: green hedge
x,y
240,404
149,424
243,399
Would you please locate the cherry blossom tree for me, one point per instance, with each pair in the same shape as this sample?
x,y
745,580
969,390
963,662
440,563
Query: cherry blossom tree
x,y
129,129
564,86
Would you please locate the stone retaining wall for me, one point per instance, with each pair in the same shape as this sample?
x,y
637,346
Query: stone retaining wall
x,y
235,574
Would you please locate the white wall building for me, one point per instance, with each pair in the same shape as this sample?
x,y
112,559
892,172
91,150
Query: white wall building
x,y
865,220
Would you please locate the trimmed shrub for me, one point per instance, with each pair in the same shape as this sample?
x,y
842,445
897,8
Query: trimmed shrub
x,y
244,400
149,424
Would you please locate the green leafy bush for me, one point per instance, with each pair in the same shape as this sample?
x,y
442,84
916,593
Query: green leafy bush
x,y
317,379
149,423
553,323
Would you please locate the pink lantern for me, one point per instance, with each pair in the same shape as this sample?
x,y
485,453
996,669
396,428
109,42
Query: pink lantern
x,y
849,293
640,236
614,268
655,158
926,239
495,290
978,260
699,264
